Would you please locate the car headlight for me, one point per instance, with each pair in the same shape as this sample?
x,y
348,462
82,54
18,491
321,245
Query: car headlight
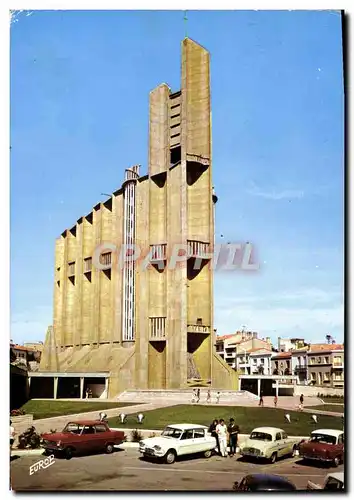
x,y
157,448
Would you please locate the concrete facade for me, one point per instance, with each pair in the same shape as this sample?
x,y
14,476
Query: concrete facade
x,y
149,327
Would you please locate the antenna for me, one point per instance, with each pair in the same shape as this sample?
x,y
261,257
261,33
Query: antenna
x,y
185,19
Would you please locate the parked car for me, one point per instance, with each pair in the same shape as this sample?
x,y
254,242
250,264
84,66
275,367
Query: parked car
x,y
269,443
333,481
177,440
82,436
324,445
264,482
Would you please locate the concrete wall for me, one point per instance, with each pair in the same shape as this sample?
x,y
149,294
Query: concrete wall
x,y
308,390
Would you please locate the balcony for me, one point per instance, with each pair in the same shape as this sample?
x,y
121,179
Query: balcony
x,y
158,253
198,249
300,369
198,328
157,328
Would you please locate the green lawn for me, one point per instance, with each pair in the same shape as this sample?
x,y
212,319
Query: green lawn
x,y
246,417
55,408
328,407
333,400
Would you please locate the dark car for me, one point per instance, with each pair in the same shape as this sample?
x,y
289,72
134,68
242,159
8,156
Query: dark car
x,y
264,482
82,436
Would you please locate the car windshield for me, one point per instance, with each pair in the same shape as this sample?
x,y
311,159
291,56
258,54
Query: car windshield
x,y
171,432
261,436
323,438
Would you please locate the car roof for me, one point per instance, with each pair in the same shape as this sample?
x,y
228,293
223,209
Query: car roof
x,y
268,430
269,480
184,427
85,422
336,475
328,432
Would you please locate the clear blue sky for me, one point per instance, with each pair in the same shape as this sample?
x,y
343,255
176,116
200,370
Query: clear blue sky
x,y
80,84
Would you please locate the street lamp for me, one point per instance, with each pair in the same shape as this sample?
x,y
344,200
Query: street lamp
x,y
287,417
122,417
140,418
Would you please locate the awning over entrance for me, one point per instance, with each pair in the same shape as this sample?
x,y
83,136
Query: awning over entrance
x,y
277,382
59,385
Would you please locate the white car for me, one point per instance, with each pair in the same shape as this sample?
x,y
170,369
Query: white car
x,y
177,440
269,443
333,481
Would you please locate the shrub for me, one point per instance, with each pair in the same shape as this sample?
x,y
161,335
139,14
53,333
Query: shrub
x,y
136,436
17,413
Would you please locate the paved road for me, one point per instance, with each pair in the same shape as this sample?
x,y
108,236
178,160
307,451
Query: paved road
x,y
125,470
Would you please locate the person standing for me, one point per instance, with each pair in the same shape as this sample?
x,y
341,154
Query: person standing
x,y
301,405
261,402
198,395
232,430
208,399
275,401
212,430
218,397
12,435
221,430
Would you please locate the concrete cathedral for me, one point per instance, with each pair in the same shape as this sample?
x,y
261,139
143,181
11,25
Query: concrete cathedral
x,y
147,328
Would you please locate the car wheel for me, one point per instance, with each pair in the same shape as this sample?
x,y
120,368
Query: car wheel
x,y
207,454
69,453
336,462
170,457
273,458
109,448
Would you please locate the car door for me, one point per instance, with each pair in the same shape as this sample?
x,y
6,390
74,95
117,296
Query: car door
x,y
279,444
340,445
199,440
286,444
187,443
101,436
88,439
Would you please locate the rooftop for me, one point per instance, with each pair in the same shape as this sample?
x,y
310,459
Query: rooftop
x,y
326,347
328,432
282,355
185,427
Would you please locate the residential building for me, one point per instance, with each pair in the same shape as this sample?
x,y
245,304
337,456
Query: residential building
x,y
299,364
24,357
260,361
235,349
281,363
285,345
326,365
35,346
138,327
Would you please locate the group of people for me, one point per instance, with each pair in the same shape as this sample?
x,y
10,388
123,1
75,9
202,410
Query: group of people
x,y
261,402
196,396
225,435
